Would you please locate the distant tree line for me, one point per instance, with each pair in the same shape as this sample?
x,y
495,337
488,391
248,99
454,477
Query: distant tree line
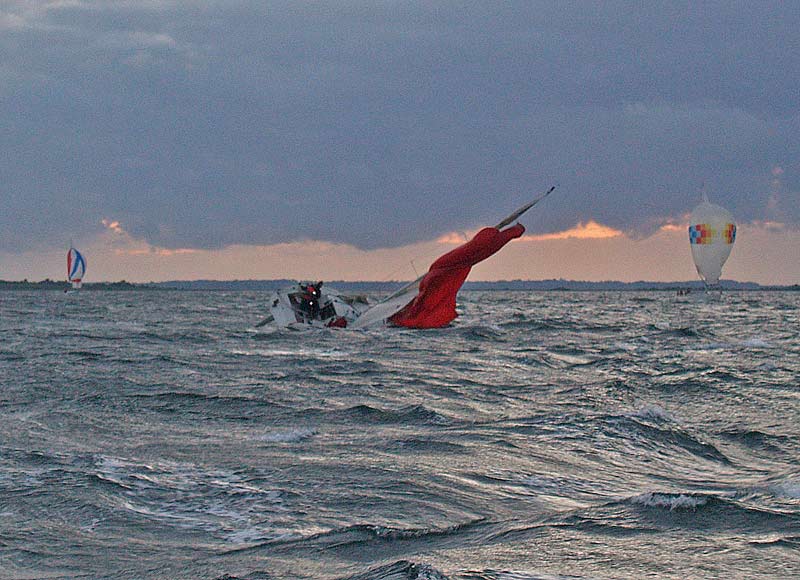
x,y
48,284
389,286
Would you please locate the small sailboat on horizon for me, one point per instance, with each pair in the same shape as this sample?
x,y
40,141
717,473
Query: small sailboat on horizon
x,y
76,268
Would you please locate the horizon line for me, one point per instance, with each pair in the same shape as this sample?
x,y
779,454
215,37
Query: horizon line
x,y
502,281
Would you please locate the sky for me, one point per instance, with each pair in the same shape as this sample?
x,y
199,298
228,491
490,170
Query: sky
x,y
177,139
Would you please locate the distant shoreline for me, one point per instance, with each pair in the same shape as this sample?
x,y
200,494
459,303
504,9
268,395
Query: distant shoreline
x,y
54,285
381,287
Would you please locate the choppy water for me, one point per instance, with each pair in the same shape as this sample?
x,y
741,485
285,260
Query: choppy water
x,y
589,435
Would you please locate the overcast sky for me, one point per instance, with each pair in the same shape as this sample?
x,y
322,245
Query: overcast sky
x,y
380,124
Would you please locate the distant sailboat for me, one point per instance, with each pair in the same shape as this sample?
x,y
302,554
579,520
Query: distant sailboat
x,y
76,268
712,232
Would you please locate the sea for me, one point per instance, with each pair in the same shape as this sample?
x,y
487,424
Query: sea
x,y
543,435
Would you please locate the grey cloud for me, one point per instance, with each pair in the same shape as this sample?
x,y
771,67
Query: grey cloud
x,y
378,124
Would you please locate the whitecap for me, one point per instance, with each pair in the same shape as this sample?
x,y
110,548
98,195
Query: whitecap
x,y
532,576
654,412
755,343
625,346
289,436
789,488
743,344
571,360
542,482
186,495
248,536
428,572
671,501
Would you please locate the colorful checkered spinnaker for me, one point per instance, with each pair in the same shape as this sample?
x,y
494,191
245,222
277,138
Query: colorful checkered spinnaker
x,y
712,232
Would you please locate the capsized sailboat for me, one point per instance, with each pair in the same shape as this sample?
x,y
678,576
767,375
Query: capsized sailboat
x,y
712,232
311,305
427,302
76,268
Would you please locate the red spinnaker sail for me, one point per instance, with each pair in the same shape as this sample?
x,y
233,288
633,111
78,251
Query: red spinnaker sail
x,y
435,305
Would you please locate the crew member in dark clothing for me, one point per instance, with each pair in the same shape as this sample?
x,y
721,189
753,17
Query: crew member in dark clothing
x,y
311,297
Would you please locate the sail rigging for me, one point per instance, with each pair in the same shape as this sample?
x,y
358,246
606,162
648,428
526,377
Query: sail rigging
x,y
503,223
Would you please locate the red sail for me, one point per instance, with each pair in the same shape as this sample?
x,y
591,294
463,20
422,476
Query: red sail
x,y
435,305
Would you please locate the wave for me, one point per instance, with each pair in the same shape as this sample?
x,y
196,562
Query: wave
x,y
720,510
792,542
419,445
655,413
482,333
227,407
753,343
677,331
755,439
655,427
202,398
509,575
568,359
671,501
366,534
400,570
547,325
789,489
184,495
288,436
86,355
178,337
11,355
366,414
536,325
656,512
359,537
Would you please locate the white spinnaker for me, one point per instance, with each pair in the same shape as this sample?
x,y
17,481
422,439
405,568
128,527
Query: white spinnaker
x,y
712,231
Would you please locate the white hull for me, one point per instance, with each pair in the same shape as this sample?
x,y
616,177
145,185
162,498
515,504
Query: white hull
x,y
289,309
705,295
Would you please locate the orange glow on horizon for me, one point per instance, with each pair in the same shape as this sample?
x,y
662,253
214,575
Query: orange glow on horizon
x,y
589,251
456,237
156,251
591,230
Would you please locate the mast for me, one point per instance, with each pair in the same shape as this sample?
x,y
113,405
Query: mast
x,y
515,215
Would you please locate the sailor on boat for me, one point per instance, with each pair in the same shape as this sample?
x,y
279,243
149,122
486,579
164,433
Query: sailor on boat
x,y
309,300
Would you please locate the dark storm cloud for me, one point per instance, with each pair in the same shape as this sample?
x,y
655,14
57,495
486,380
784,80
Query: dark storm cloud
x,y
209,123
